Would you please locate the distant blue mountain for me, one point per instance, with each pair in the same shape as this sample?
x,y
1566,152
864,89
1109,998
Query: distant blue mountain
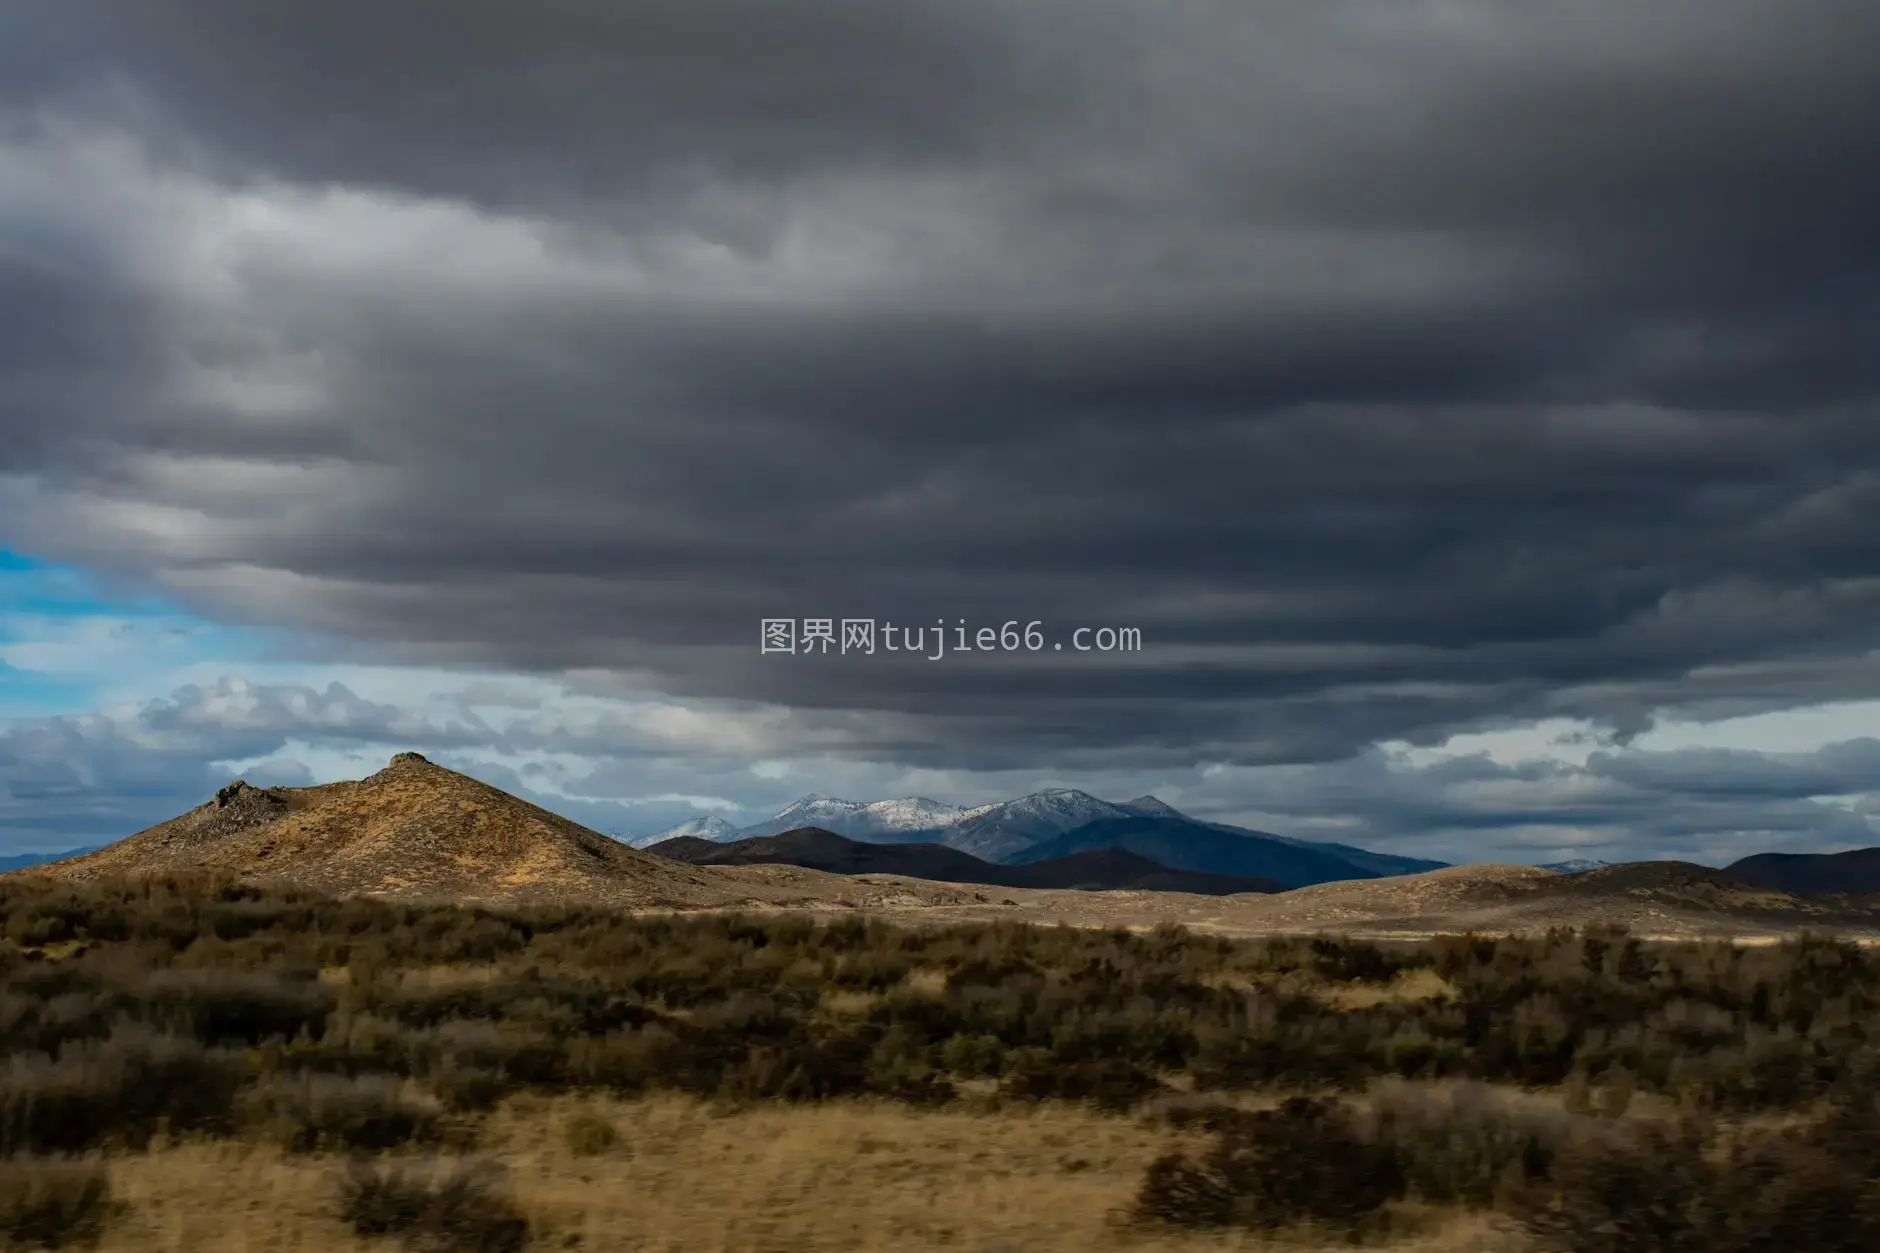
x,y
1382,864
20,861
1063,822
1184,844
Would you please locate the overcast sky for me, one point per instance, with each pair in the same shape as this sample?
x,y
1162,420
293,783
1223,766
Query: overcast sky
x,y
1472,405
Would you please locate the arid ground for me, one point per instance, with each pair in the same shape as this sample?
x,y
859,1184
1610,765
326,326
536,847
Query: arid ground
x,y
195,1063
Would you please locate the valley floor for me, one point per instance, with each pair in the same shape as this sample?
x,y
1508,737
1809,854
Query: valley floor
x,y
686,1177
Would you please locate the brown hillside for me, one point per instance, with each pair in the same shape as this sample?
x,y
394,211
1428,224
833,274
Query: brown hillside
x,y
1662,899
413,829
1434,893
1651,898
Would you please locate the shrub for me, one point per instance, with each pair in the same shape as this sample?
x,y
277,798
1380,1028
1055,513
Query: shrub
x,y
106,1040
973,1056
1465,1143
468,1090
462,1211
1647,1190
625,1061
526,1054
589,1135
1180,1192
1303,1162
53,1203
1782,1193
227,1006
1109,1084
118,1089
314,1112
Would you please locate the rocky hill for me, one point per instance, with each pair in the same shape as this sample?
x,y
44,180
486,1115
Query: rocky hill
x,y
413,829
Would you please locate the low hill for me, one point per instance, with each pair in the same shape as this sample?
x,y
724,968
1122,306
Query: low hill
x,y
1670,882
1855,871
695,849
1183,844
1095,870
1650,898
412,829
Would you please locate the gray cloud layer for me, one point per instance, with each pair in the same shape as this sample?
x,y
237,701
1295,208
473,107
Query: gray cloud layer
x,y
1394,368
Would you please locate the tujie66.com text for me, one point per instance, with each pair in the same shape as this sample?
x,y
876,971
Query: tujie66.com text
x,y
840,637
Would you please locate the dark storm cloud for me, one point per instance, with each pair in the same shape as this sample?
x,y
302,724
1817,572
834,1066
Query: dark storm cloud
x,y
1394,368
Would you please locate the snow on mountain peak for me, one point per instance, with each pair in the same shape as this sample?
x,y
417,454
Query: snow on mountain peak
x,y
910,813
1059,800
710,827
1576,865
817,802
859,820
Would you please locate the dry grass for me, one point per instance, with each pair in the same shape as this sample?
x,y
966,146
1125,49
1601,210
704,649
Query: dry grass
x,y
1408,987
844,1003
926,981
686,1178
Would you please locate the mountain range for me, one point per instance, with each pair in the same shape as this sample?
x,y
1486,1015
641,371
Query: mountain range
x,y
1061,823
1105,869
418,831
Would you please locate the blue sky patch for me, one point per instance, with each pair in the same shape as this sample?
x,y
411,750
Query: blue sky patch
x,y
69,644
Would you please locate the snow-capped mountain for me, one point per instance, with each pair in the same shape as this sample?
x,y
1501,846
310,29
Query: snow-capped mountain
x,y
711,828
988,831
888,820
1577,865
994,832
1023,829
